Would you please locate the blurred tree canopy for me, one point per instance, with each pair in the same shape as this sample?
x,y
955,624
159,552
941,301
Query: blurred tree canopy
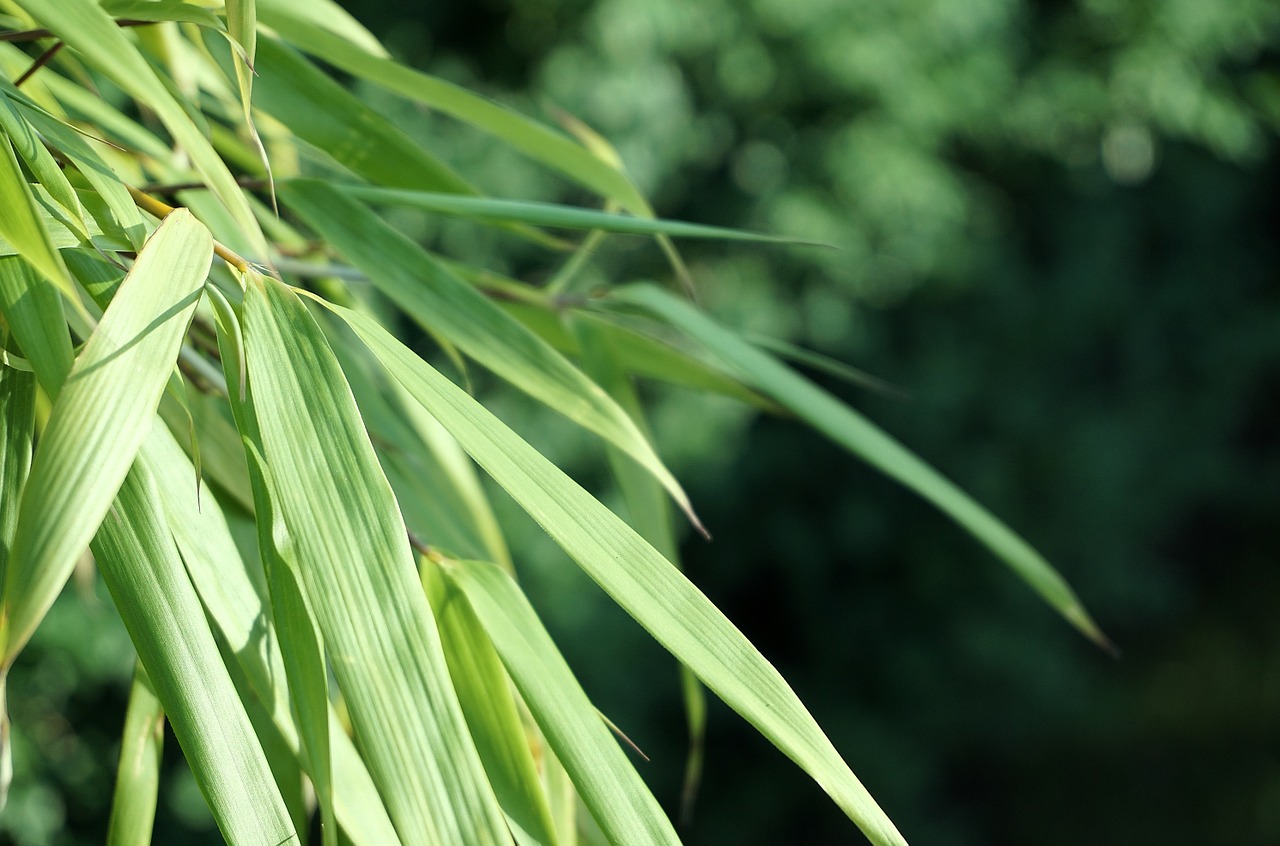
x,y
1055,225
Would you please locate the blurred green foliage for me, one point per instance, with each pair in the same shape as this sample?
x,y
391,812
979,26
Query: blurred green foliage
x,y
1055,225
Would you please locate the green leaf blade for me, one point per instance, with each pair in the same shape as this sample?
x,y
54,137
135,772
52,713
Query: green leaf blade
x,y
358,571
100,419
661,599
861,437
607,782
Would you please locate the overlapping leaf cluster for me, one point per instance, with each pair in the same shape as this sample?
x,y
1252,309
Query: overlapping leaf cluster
x,y
164,323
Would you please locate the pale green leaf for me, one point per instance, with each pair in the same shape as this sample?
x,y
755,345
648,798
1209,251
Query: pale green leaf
x,y
234,597
100,420
21,224
120,213
17,427
33,309
650,516
857,434
485,693
142,568
358,572
609,785
133,806
638,578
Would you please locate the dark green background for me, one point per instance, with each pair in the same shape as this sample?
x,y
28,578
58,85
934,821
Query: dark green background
x,y
1058,232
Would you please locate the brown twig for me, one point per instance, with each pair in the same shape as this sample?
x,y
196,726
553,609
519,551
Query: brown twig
x,y
161,210
44,59
253,183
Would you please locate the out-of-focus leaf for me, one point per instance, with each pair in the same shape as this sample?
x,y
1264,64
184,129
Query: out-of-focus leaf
x,y
327,16
638,578
358,572
637,353
162,10
100,420
860,436
609,785
443,303
528,136
133,808
332,119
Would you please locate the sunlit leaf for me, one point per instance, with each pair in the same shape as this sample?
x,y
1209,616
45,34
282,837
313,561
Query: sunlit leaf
x,y
100,420
352,547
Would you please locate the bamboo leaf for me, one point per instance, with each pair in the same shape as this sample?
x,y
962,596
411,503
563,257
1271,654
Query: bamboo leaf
x,y
485,693
650,516
143,570
100,420
234,598
332,119
328,17
863,438
33,309
638,578
358,572
443,303
22,227
17,428
91,33
609,785
551,214
133,808
162,10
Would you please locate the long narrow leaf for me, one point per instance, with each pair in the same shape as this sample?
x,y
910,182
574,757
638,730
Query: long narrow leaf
x,y
358,571
21,226
550,214
485,693
100,420
860,436
143,570
638,578
332,119
133,806
609,785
